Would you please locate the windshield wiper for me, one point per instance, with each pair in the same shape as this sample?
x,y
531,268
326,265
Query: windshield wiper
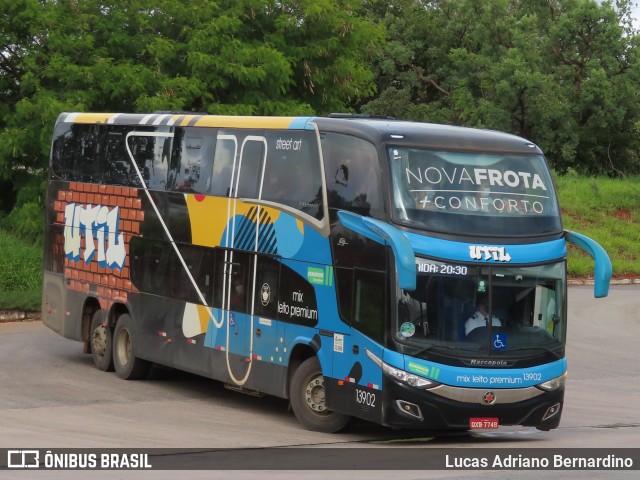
x,y
539,347
428,348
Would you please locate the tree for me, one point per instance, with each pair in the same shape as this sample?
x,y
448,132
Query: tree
x,y
263,57
562,73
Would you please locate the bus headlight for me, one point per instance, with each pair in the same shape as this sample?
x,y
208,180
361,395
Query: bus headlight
x,y
553,384
401,375
406,377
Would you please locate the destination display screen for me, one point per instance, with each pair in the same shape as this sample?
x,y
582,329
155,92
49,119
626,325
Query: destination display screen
x,y
439,268
459,191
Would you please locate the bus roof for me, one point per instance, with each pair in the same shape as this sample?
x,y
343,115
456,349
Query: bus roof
x,y
430,135
187,119
377,130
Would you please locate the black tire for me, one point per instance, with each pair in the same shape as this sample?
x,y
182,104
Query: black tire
x,y
128,366
307,395
100,343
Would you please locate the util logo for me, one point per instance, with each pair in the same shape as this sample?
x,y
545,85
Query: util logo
x,y
94,223
499,254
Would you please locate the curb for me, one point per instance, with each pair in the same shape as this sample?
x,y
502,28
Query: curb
x,y
590,281
18,315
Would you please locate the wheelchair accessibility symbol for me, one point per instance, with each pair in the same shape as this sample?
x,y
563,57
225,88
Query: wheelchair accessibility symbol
x,y
499,341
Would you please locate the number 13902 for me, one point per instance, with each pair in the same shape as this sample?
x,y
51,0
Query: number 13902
x,y
365,398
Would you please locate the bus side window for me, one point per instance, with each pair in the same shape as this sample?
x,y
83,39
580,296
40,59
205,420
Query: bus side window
x,y
199,261
191,160
225,154
344,289
230,280
148,266
62,159
151,155
352,170
218,277
250,169
153,261
118,168
92,161
292,173
369,303
78,154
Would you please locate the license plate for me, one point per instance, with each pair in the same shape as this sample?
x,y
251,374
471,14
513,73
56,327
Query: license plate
x,y
483,423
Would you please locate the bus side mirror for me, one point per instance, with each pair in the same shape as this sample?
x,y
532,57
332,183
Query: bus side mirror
x,y
602,269
384,233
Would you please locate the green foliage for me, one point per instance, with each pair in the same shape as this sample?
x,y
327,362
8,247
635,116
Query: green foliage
x,y
254,57
605,209
26,221
251,57
562,73
20,273
26,218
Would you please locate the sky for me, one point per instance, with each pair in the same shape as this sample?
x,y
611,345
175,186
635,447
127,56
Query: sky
x,y
635,12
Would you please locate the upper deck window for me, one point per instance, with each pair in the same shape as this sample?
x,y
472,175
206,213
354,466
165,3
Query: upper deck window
x,y
352,170
473,193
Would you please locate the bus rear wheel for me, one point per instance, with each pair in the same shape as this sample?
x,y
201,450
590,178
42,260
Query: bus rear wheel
x,y
100,340
128,366
307,394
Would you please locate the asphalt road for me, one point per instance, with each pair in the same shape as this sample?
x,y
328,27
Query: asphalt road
x,y
51,396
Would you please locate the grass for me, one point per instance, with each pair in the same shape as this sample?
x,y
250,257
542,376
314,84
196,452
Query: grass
x,y
607,210
20,273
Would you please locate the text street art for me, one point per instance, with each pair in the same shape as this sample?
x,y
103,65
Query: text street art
x,y
96,224
297,311
478,190
499,254
481,176
288,144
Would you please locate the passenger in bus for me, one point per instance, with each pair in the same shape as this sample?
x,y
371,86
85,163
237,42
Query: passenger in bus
x,y
481,317
237,295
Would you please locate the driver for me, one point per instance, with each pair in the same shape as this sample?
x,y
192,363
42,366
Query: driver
x,y
481,317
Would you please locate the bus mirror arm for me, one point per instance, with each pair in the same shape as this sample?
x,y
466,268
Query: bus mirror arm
x,y
384,233
602,269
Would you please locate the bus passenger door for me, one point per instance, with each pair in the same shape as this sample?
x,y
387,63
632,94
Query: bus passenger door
x,y
267,347
363,298
242,237
235,274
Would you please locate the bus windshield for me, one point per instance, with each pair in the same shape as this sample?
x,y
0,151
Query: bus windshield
x,y
452,304
457,192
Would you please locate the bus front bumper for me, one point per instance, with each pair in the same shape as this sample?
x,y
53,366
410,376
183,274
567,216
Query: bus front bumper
x,y
454,408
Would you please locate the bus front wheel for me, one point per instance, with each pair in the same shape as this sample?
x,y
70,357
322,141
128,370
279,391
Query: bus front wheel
x,y
128,366
100,340
307,395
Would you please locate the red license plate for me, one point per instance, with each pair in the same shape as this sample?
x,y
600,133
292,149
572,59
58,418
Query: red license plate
x,y
483,423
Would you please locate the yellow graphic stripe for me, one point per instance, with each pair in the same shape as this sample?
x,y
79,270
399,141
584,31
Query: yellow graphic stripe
x,y
203,315
184,122
93,117
208,217
226,121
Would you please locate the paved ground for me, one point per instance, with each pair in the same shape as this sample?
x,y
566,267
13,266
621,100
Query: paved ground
x,y
51,396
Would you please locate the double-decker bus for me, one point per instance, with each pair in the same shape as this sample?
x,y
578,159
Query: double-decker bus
x,y
408,274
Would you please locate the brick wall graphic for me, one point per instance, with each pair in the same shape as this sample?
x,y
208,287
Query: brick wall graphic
x,y
98,222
